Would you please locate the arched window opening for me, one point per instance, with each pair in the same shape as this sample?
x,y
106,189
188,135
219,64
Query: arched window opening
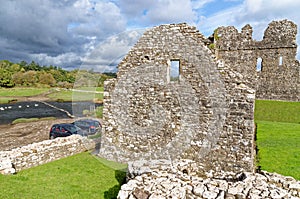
x,y
174,70
259,64
280,61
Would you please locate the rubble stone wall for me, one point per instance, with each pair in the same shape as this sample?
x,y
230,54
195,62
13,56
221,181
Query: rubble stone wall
x,y
278,77
42,152
205,115
179,179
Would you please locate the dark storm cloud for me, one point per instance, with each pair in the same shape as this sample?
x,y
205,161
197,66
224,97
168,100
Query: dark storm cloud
x,y
69,33
55,32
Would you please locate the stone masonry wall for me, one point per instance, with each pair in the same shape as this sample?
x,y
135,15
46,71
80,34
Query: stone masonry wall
x,y
278,77
205,115
42,152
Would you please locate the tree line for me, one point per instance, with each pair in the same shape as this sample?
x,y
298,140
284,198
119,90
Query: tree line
x,y
32,74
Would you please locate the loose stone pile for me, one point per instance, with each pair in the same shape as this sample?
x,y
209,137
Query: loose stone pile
x,y
175,181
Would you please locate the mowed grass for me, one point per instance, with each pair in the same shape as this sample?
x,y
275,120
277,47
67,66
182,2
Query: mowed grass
x,y
277,111
5,100
22,92
78,176
69,95
88,94
278,136
279,147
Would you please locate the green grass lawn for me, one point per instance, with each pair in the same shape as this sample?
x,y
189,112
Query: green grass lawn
x,y
22,92
78,176
277,111
8,94
279,147
68,95
278,136
5,100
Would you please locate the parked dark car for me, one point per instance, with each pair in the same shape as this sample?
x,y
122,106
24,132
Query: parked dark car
x,y
64,130
89,126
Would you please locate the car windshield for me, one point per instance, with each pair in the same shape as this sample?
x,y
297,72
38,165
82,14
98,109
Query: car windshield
x,y
72,129
95,124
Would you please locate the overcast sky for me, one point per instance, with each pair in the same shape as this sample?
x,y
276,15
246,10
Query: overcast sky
x,y
98,33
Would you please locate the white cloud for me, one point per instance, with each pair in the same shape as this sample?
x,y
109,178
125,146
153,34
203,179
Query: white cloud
x,y
198,4
105,56
257,13
150,13
65,59
171,11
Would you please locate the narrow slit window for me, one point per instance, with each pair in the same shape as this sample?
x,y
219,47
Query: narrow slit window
x,y
259,64
280,61
174,70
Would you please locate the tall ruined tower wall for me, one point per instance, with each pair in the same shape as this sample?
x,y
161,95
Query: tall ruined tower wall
x,y
278,76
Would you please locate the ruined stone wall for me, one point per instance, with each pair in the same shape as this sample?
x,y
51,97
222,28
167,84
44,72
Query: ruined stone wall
x,y
42,152
206,115
179,180
279,75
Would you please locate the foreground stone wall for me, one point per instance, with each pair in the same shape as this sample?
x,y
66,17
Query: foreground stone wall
x,y
42,152
179,179
206,114
278,77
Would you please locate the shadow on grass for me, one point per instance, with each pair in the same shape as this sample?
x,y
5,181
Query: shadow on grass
x,y
120,176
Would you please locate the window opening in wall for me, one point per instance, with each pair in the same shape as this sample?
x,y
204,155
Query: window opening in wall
x,y
174,70
280,61
259,64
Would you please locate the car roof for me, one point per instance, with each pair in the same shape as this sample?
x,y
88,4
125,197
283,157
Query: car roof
x,y
86,120
63,124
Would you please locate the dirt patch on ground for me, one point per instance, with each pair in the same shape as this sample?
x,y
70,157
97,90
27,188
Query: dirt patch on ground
x,y
17,135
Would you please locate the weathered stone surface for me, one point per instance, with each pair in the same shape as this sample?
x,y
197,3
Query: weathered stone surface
x,y
42,152
252,185
205,115
6,166
279,75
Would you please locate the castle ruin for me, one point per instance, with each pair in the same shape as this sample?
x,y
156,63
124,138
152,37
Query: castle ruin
x,y
269,64
182,106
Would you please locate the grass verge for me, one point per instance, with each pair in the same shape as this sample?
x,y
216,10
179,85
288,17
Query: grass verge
x,y
69,95
22,92
6,100
279,147
278,136
277,111
78,176
27,120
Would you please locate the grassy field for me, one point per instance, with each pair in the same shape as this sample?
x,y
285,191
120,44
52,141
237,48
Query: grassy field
x,y
277,111
68,95
278,136
5,100
78,176
6,95
21,92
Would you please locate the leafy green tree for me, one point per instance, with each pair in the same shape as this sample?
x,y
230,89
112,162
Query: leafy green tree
x,y
30,78
46,78
6,79
18,78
